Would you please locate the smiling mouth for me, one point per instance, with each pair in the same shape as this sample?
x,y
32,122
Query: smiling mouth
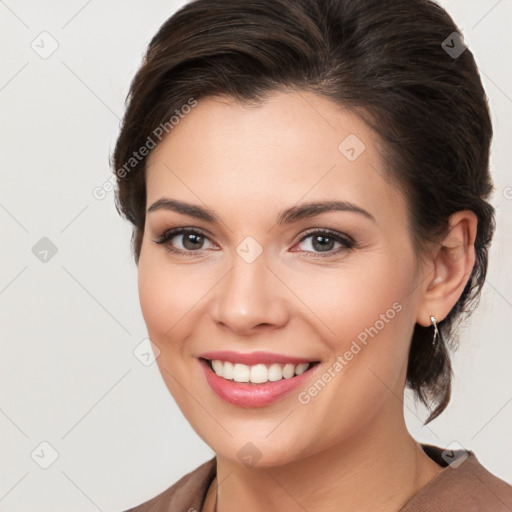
x,y
257,373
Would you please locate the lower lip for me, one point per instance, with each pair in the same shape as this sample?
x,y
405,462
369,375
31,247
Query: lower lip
x,y
253,395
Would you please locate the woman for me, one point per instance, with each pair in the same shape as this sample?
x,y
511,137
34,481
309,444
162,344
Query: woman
x,y
308,185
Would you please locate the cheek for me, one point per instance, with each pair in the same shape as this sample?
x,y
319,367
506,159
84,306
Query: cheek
x,y
166,295
369,319
155,295
350,300
164,305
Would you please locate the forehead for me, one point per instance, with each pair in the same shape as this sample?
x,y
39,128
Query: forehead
x,y
292,146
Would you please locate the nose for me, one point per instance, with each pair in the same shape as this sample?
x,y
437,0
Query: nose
x,y
251,298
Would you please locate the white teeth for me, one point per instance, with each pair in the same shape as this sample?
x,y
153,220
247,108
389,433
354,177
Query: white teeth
x,y
288,371
241,373
227,370
301,368
259,373
275,372
217,367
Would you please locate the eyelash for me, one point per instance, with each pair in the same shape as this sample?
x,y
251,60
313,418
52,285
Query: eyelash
x,y
345,240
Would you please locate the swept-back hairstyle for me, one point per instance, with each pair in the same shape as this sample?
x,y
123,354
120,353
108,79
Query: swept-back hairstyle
x,y
401,65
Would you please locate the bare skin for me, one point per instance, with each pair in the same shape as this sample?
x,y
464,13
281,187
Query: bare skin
x,y
345,447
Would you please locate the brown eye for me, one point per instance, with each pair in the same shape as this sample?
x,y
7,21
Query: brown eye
x,y
325,242
190,240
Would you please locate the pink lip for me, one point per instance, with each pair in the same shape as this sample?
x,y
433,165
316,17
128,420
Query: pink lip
x,y
253,395
253,358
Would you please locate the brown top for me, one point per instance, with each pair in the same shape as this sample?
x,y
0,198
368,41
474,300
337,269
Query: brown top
x,y
464,485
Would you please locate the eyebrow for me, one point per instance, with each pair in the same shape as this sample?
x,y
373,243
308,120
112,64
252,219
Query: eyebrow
x,y
288,216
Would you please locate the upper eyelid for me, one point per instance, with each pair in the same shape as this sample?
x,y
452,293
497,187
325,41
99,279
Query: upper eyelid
x,y
179,231
328,231
169,234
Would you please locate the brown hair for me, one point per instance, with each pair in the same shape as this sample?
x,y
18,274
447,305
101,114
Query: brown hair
x,y
400,65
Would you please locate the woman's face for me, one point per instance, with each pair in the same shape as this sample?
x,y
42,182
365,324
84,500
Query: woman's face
x,y
337,287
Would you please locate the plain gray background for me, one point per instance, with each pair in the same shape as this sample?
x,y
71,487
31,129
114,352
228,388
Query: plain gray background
x,y
74,395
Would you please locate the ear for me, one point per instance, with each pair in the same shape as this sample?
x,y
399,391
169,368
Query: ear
x,y
453,262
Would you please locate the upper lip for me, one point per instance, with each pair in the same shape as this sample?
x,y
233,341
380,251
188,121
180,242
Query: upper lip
x,y
253,358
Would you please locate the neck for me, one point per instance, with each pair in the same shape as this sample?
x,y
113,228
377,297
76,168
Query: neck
x,y
380,468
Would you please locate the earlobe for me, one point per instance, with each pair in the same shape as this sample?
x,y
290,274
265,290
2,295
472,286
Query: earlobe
x,y
453,263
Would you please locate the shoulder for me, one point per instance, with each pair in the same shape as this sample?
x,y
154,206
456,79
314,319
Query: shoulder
x,y
463,485
188,493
